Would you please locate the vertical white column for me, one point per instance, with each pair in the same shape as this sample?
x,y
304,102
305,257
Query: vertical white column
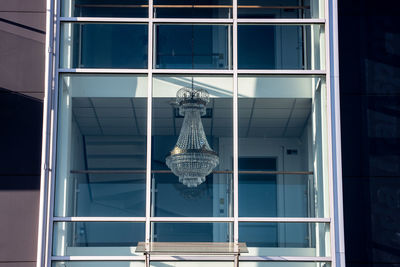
x,y
46,136
329,130
56,31
149,120
235,127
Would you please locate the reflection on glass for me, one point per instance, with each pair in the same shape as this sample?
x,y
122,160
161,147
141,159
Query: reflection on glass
x,y
191,9
213,197
198,47
279,9
210,199
192,232
277,148
104,8
103,45
98,264
279,47
257,192
285,239
284,264
192,264
101,146
97,238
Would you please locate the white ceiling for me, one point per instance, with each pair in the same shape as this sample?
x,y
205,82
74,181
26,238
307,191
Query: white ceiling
x,y
261,117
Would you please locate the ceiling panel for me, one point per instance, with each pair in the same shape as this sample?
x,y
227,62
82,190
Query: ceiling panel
x,y
256,122
222,131
90,130
222,113
221,103
294,131
222,123
163,103
111,102
297,122
119,122
271,113
114,112
245,102
87,122
163,113
127,130
303,103
301,112
84,112
164,123
81,102
266,132
162,131
274,103
244,113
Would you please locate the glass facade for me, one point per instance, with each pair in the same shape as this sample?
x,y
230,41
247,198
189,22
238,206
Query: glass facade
x,y
263,115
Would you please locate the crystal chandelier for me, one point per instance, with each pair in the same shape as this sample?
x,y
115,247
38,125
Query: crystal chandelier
x,y
192,158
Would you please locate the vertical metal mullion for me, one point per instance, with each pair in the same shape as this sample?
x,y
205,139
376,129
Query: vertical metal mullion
x,y
338,187
45,175
235,127
329,131
54,123
149,119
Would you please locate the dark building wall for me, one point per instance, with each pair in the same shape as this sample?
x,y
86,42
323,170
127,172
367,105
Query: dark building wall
x,y
22,37
369,48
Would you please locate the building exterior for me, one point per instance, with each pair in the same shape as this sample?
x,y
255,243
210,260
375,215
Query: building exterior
x,y
272,118
112,117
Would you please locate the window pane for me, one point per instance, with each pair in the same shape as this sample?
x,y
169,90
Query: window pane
x,y
98,264
191,9
213,197
192,232
194,47
280,47
104,8
284,264
191,264
103,45
280,9
285,239
281,164
97,238
101,146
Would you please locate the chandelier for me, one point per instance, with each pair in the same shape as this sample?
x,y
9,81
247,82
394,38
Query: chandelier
x,y
192,158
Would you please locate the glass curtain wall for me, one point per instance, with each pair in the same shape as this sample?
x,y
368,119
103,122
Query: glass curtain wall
x,y
191,121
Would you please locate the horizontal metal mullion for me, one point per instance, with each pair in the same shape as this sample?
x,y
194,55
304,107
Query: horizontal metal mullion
x,y
191,71
282,21
191,21
99,219
282,72
192,219
193,258
104,20
285,219
285,258
98,258
94,71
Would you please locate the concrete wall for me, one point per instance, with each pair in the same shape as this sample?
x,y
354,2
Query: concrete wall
x,y
22,37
